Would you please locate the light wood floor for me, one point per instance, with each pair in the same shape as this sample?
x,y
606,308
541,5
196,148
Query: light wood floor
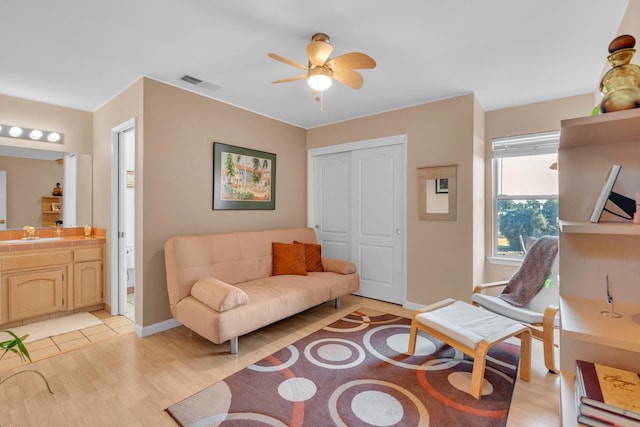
x,y
129,381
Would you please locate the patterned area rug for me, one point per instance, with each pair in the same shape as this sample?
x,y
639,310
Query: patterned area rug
x,y
355,372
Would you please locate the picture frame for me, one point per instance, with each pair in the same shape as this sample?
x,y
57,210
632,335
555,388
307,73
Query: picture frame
x,y
56,207
243,178
434,205
442,185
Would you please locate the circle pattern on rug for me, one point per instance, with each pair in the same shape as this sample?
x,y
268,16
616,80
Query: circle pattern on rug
x,y
338,354
297,389
462,381
360,401
377,408
295,355
394,340
335,352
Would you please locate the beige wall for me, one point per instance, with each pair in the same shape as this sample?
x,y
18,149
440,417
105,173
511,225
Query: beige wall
x,y
179,130
125,106
76,125
175,133
538,117
77,128
478,195
27,181
439,253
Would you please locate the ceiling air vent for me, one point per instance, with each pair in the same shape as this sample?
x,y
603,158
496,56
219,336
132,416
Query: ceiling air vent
x,y
190,79
200,83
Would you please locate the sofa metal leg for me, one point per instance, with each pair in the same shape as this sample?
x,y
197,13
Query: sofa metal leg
x,y
337,303
234,345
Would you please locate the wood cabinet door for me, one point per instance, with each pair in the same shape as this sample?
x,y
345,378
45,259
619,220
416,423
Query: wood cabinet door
x,y
88,282
35,293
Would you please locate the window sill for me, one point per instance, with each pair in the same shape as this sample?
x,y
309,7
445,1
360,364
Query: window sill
x,y
505,261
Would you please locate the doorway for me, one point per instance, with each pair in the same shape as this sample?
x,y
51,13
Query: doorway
x,y
124,287
357,205
3,200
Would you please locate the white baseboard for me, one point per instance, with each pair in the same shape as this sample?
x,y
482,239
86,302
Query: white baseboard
x,y
145,331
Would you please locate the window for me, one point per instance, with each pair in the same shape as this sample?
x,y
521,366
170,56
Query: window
x,y
525,185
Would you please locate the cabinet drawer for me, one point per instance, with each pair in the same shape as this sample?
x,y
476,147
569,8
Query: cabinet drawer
x,y
42,259
88,254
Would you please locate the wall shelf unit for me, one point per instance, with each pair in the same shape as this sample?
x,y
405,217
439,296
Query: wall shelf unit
x,y
590,253
613,228
49,215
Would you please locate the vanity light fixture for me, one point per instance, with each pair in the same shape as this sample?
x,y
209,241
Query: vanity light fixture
x,y
54,137
15,131
31,134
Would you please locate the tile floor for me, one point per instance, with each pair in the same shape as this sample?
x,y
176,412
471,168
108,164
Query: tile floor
x,y
111,326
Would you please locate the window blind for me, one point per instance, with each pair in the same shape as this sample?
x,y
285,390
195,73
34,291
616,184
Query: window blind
x,y
526,145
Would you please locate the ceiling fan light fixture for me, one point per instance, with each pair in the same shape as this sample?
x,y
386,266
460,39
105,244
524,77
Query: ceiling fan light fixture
x,y
320,79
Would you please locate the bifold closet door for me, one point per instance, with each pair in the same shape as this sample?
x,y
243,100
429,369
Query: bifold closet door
x,y
359,213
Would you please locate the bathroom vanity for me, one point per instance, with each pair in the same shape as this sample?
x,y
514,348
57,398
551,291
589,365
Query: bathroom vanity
x,y
50,277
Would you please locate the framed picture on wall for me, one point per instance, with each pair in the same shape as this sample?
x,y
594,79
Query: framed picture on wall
x,y
243,178
442,185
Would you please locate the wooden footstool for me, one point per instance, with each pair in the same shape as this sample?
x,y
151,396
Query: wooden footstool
x,y
472,331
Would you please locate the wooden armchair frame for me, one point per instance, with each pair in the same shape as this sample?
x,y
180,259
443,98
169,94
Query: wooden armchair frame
x,y
544,331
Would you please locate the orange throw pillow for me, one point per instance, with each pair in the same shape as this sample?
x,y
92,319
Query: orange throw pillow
x,y
313,256
288,258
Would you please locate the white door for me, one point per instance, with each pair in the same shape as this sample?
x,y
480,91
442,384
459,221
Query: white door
x,y
332,173
378,222
70,173
123,207
358,212
3,200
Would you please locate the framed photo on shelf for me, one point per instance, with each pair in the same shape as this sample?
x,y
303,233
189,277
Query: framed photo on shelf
x,y
56,207
243,179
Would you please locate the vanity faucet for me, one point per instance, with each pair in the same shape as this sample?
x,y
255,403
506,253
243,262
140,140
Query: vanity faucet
x,y
58,231
30,232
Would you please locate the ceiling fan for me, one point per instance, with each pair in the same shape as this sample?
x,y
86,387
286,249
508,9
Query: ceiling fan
x,y
321,70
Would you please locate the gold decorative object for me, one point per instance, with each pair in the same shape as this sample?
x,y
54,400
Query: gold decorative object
x,y
620,86
57,190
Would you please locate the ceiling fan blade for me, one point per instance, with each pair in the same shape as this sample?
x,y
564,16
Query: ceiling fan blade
x,y
352,61
318,52
351,78
287,61
290,79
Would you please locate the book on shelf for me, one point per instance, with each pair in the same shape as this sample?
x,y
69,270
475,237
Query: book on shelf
x,y
595,417
592,422
613,391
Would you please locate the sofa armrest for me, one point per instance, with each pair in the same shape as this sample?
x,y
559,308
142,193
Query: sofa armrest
x,y
338,266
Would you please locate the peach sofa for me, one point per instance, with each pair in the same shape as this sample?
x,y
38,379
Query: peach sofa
x,y
220,285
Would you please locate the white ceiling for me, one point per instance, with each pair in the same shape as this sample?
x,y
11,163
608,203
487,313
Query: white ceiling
x,y
81,53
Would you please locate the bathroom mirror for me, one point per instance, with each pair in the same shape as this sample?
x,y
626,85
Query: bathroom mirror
x,y
32,173
437,193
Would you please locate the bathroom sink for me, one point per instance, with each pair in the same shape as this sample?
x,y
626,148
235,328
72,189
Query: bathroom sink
x,y
38,240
